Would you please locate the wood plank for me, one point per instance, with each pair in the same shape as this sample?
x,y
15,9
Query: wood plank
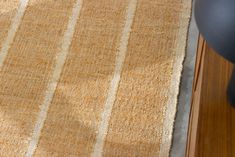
x,y
192,133
212,134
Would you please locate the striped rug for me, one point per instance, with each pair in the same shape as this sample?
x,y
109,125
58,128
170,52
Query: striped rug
x,y
90,78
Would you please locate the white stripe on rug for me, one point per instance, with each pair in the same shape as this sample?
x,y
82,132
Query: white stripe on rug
x,y
105,116
12,31
60,60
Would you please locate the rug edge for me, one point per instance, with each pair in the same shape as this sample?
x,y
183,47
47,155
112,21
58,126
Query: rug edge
x,y
171,108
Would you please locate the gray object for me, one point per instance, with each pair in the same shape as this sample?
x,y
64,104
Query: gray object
x,y
216,22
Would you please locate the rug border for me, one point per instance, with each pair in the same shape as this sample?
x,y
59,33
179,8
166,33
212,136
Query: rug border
x,y
171,106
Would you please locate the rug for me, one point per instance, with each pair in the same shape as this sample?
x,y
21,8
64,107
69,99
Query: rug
x,y
92,78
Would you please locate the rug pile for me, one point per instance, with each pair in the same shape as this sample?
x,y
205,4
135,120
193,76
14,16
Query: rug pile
x,y
90,78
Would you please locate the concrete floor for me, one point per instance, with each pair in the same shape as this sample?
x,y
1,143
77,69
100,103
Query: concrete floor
x,y
182,116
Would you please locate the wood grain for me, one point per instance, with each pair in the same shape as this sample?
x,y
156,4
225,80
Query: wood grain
x,y
192,131
212,120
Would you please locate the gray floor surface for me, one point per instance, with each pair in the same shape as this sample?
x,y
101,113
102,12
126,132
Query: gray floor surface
x,y
183,110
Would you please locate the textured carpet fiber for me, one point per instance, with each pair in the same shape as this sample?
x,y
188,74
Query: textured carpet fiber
x,y
90,77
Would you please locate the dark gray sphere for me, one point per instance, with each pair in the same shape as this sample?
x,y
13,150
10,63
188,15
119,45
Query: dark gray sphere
x,y
216,22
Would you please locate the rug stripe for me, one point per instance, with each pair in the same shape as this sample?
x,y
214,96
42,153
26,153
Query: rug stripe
x,y
82,90
60,60
27,71
13,29
8,11
135,127
105,116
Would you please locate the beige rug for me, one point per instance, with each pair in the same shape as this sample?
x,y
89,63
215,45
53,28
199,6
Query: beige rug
x,y
90,78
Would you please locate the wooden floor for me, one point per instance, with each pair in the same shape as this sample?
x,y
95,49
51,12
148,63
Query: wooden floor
x,y
212,122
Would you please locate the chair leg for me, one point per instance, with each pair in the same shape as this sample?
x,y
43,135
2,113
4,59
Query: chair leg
x,y
231,89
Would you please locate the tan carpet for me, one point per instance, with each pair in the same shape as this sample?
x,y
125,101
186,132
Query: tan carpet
x,y
90,77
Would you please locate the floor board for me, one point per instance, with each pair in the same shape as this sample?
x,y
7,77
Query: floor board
x,y
215,128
